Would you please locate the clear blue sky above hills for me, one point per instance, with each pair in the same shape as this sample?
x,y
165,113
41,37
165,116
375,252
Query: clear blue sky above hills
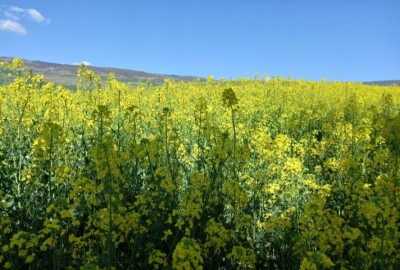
x,y
357,40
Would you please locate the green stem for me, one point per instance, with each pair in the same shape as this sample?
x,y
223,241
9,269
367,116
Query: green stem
x,y
234,143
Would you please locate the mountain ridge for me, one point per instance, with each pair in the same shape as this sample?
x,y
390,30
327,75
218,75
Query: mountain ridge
x,y
383,83
65,74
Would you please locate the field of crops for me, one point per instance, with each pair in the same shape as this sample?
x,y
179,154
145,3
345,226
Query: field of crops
x,y
243,174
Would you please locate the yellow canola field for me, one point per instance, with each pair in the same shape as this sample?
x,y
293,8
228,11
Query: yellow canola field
x,y
222,174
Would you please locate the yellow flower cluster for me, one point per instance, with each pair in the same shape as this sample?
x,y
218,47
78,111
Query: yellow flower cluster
x,y
187,255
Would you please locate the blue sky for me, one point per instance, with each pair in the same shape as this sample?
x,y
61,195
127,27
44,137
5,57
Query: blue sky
x,y
346,40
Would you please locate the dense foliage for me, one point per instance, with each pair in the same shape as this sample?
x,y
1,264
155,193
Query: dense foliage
x,y
273,174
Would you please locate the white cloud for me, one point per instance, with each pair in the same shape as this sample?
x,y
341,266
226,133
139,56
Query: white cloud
x,y
11,17
13,26
86,63
16,9
16,13
35,15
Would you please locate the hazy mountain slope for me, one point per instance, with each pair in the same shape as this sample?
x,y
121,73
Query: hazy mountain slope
x,y
66,74
383,83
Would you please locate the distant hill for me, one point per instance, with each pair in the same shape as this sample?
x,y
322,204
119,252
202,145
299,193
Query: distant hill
x,y
66,74
384,83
